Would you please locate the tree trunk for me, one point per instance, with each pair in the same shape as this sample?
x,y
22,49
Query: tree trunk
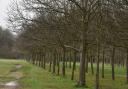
x,y
50,61
33,58
50,65
92,65
82,75
44,61
58,64
40,59
54,63
127,66
103,63
87,59
63,66
70,60
112,63
83,48
97,70
74,65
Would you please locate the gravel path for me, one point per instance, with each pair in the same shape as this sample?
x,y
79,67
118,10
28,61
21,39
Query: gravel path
x,y
17,75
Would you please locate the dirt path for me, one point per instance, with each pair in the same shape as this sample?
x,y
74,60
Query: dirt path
x,y
14,83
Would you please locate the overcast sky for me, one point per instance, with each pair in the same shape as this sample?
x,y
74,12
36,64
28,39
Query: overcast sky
x,y
4,4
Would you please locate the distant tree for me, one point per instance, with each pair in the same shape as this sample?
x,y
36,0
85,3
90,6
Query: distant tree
x,y
6,43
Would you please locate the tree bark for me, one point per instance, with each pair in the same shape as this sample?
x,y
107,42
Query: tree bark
x,y
82,75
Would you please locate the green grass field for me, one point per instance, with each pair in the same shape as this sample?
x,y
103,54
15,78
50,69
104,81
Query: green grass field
x,y
38,78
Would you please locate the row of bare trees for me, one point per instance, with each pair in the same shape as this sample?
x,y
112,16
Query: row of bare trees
x,y
58,32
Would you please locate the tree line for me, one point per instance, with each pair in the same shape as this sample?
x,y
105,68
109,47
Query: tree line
x,y
59,33
6,43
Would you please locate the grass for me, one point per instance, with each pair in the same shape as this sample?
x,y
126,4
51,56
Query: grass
x,y
38,78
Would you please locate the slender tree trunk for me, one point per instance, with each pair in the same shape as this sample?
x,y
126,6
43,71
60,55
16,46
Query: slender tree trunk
x,y
74,65
35,63
58,64
50,63
33,58
112,63
54,63
87,59
40,59
97,70
103,63
66,59
63,66
127,66
37,58
44,61
70,60
92,65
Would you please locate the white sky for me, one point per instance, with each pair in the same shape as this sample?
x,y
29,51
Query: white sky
x,y
4,4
